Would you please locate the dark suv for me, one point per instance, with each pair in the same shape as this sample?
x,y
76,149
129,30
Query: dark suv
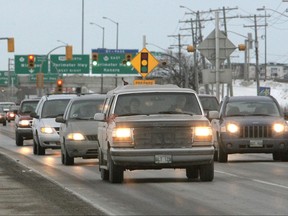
x,y
251,124
23,120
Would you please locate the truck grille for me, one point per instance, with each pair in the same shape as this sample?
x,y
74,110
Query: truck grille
x,y
256,131
163,137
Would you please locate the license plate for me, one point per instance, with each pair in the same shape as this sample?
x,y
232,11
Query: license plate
x,y
161,159
256,143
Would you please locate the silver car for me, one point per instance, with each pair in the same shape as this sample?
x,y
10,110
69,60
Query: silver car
x,y
44,127
78,129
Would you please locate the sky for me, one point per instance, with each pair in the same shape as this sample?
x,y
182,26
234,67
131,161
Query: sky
x,y
38,26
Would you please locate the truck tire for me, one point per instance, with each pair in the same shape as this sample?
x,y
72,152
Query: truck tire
x,y
192,172
222,156
115,172
207,172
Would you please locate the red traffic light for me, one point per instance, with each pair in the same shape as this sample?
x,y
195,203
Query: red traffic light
x,y
31,60
59,82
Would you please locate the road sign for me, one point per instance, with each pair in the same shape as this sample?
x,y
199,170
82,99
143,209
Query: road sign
x,y
112,63
4,78
21,64
264,91
78,65
48,78
144,82
144,62
208,47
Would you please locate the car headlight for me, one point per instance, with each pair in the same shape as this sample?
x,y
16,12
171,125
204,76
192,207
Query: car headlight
x,y
232,128
24,123
279,128
47,130
122,135
203,134
75,137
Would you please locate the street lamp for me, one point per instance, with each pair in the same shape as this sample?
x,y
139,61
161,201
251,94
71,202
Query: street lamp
x,y
182,6
103,31
60,41
117,29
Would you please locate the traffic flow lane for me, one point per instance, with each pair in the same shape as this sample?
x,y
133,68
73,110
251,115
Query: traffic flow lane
x,y
170,192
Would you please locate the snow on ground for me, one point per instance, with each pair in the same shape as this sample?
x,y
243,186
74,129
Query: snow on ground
x,y
277,90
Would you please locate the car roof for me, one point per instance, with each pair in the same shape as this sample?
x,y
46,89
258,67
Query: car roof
x,y
88,97
30,99
148,88
250,98
59,96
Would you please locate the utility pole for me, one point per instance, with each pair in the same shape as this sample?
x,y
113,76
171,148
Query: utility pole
x,y
255,26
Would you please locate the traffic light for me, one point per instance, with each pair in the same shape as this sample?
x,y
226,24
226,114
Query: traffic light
x,y
242,47
190,48
10,44
69,52
31,61
128,58
94,59
144,62
59,85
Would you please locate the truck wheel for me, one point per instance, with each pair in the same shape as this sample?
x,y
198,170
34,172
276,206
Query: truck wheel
x,y
222,156
192,172
115,172
104,173
4,123
207,172
276,156
19,139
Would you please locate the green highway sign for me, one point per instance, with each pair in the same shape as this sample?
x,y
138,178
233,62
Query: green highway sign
x,y
78,65
4,78
112,63
21,64
48,78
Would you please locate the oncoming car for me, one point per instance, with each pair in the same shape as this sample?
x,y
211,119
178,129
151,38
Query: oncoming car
x,y
251,124
78,129
154,127
44,127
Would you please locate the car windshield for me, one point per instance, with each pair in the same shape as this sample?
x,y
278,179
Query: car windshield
x,y
209,103
53,108
251,108
28,107
157,103
85,109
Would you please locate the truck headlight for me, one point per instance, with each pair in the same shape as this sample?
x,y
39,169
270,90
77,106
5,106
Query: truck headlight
x,y
203,134
122,135
75,137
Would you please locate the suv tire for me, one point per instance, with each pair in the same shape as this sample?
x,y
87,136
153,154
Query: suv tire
x,y
222,156
207,172
192,172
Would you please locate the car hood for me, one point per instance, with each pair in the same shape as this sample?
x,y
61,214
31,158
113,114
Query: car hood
x,y
49,122
83,126
256,120
163,120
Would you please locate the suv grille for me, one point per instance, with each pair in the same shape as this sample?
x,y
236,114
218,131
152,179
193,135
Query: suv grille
x,y
255,131
163,137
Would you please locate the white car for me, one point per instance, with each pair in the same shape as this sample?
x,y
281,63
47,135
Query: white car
x,y
78,129
44,127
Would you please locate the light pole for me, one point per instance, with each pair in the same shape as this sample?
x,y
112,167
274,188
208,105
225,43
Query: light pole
x,y
117,30
117,37
265,64
103,32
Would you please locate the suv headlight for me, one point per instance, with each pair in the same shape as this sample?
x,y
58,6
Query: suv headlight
x,y
279,128
232,128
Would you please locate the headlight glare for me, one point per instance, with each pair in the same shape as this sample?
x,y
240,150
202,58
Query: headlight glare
x,y
232,128
24,123
122,134
47,130
278,128
203,134
75,136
